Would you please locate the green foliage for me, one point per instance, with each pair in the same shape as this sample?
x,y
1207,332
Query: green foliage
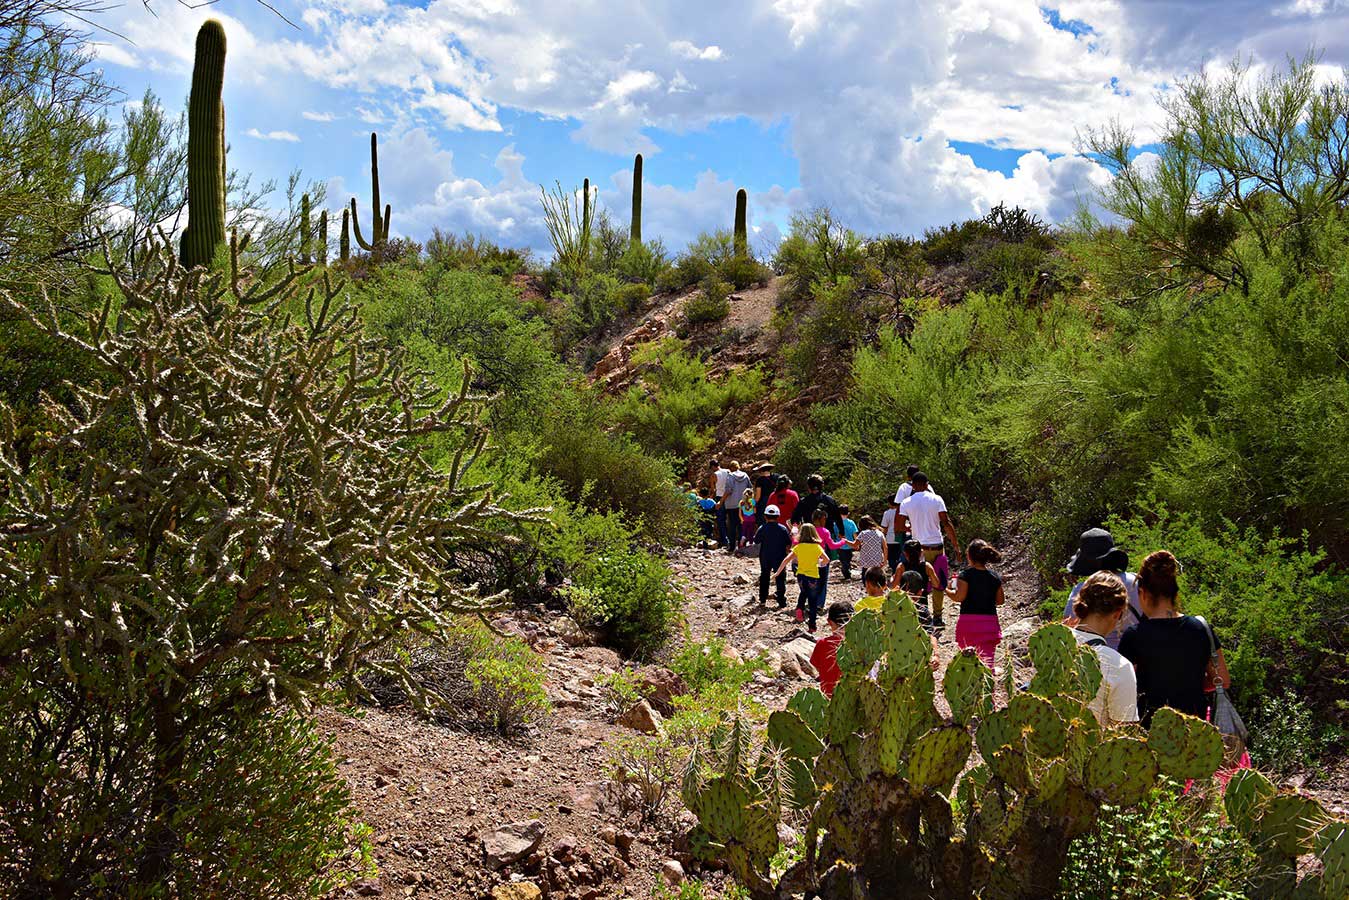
x,y
707,664
643,775
477,254
696,889
675,403
619,692
570,222
644,263
261,808
713,254
1173,845
711,304
205,231
507,679
622,592
1287,736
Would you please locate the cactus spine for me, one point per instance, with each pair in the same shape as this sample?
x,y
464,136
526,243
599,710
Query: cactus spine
x,y
741,223
305,233
636,233
380,226
206,150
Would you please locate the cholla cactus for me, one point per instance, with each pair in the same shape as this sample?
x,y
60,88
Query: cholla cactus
x,y
878,773
238,513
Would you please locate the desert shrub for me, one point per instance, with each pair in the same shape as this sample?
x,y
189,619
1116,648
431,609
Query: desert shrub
x,y
627,596
507,680
1014,267
645,263
1288,737
1173,845
707,664
949,245
628,297
818,250
675,404
619,692
744,271
608,471
1277,609
643,775
474,253
712,254
588,306
711,304
697,889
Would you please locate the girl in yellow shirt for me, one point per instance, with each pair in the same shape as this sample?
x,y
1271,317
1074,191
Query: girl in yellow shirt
x,y
810,561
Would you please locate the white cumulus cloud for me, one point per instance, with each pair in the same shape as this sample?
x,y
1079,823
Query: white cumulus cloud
x,y
288,136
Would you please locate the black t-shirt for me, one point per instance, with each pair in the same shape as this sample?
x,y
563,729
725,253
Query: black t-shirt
x,y
981,592
1170,657
805,511
766,484
775,542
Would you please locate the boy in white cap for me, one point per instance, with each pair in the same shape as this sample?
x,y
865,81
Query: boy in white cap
x,y
775,542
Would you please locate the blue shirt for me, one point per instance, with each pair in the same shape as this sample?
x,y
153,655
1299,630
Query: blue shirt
x,y
849,529
707,504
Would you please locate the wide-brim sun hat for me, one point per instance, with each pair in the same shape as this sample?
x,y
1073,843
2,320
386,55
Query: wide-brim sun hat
x,y
772,510
1096,551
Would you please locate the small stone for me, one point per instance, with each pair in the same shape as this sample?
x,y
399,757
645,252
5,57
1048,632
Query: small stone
x,y
511,843
368,887
740,578
520,890
642,718
381,781
672,872
608,834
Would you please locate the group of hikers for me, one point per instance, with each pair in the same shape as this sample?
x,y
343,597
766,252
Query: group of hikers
x,y
1151,654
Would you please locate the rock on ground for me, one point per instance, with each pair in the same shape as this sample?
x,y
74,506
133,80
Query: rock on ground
x,y
511,843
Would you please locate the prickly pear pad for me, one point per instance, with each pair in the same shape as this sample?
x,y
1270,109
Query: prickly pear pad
x,y
1288,823
1185,746
1122,770
1332,848
811,705
938,757
788,731
968,687
907,645
1244,800
721,808
863,642
1037,717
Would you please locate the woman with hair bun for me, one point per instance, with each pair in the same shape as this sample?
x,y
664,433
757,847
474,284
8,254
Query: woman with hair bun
x,y
978,593
1170,650
1099,605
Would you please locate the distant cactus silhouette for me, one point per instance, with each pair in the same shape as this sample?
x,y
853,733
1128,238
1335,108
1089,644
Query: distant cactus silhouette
x,y
205,150
344,243
741,223
380,227
636,232
305,232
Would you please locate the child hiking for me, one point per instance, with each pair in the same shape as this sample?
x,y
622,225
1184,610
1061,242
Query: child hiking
x,y
775,547
811,561
978,593
825,655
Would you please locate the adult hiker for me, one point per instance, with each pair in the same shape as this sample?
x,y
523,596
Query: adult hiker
x,y
815,499
775,543
1099,606
785,499
906,489
893,544
737,482
765,483
923,514
1170,651
1096,552
716,482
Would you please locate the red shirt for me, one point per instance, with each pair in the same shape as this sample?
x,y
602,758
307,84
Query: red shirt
x,y
825,660
786,502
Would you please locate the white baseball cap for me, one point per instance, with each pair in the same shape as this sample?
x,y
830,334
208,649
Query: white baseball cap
x,y
772,510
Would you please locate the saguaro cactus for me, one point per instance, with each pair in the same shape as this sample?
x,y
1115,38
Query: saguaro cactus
x,y
636,233
305,232
344,243
585,205
323,238
741,223
206,150
380,228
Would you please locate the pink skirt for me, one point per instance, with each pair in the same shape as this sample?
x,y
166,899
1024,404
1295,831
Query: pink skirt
x,y
981,632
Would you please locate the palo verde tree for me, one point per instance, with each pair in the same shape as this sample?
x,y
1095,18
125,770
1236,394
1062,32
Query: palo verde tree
x,y
236,519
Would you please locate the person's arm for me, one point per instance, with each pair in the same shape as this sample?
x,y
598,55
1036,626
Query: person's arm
x,y
1001,597
782,566
949,527
1217,670
932,576
958,595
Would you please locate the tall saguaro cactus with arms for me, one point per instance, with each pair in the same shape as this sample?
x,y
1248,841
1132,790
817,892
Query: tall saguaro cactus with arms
x,y
380,225
206,150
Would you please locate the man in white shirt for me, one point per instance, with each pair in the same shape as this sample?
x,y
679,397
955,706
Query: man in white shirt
x,y
923,514
717,481
906,489
889,521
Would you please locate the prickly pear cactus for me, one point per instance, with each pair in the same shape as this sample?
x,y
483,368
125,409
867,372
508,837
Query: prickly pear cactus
x,y
968,687
1185,747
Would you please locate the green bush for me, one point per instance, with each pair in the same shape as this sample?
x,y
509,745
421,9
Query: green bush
x,y
1174,845
712,255
1287,736
619,692
707,664
675,404
645,263
507,680
629,297
474,253
711,304
627,596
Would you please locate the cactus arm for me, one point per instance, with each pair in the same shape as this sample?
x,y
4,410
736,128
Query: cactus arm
x,y
356,228
388,215
305,230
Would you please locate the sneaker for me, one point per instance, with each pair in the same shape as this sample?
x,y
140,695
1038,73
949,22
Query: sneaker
x,y
800,615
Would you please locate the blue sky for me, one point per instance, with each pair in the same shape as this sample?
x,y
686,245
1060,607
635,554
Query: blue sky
x,y
898,115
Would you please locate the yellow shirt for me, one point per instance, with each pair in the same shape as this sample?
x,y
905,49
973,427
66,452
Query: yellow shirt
x,y
869,602
808,557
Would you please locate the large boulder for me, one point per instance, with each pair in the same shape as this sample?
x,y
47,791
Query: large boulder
x,y
794,658
511,843
642,718
659,686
